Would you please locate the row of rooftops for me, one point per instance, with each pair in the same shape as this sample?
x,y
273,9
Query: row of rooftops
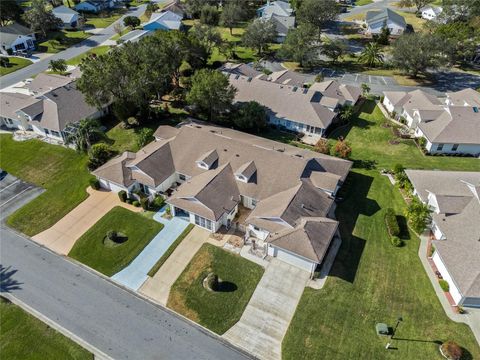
x,y
456,195
454,119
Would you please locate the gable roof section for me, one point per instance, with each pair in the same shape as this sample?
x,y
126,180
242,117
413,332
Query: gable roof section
x,y
310,239
46,82
283,24
10,103
465,97
279,7
167,19
9,33
64,13
373,17
116,170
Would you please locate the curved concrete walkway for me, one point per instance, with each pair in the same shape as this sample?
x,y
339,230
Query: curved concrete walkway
x,y
62,236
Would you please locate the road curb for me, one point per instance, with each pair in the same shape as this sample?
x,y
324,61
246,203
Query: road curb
x,y
98,354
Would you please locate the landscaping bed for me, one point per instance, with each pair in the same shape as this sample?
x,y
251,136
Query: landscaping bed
x,y
24,337
216,310
61,172
104,254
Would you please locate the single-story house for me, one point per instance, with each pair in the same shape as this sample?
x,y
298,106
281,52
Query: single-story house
x,y
53,105
16,37
449,126
176,7
70,18
281,14
134,36
209,175
377,19
94,6
454,198
166,20
431,12
303,110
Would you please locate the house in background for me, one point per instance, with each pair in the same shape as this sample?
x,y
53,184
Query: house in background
x,y
454,198
281,14
281,197
94,6
53,105
431,13
377,19
449,126
15,38
175,6
166,20
70,18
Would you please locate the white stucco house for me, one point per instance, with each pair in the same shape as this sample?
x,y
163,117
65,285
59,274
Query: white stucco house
x,y
16,37
454,198
70,18
375,20
431,12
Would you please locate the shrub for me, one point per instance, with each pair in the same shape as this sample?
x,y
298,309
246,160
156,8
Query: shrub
x,y
398,168
144,203
418,215
451,350
132,121
95,184
112,235
59,65
444,285
322,146
460,310
432,250
396,241
211,281
4,61
391,222
158,202
342,149
145,135
209,15
122,195
129,201
136,203
98,155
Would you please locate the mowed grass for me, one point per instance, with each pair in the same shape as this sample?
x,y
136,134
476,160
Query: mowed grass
x,y
61,172
99,50
372,281
217,311
23,337
65,38
102,21
105,258
14,65
370,142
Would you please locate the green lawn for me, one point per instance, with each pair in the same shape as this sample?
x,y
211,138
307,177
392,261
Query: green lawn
x,y
371,281
65,38
102,21
218,311
363,2
15,64
370,143
24,337
170,250
110,258
62,172
99,50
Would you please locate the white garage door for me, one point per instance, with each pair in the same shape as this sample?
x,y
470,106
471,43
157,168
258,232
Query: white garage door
x,y
293,260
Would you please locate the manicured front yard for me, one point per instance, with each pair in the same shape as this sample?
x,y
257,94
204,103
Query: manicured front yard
x,y
371,281
99,50
218,311
370,143
94,250
14,65
23,337
61,40
102,20
62,172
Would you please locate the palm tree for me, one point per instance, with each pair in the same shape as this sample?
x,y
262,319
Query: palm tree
x,y
371,55
84,132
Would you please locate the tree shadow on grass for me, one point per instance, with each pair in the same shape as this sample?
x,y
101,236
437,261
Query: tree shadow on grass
x,y
357,203
7,283
226,286
402,224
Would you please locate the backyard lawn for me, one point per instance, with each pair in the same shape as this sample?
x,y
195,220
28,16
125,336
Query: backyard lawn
x,y
220,310
370,143
108,257
61,172
371,281
15,64
23,337
61,40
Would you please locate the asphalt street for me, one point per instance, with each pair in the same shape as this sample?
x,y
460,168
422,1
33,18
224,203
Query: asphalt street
x,y
111,319
78,49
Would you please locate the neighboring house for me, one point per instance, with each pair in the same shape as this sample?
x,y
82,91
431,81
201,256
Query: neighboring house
x,y
166,20
308,111
53,105
454,198
70,18
176,7
450,126
281,13
431,12
94,6
377,19
16,37
134,36
213,176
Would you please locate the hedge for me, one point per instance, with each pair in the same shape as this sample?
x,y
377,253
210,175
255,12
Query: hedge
x,y
95,184
122,195
391,222
444,285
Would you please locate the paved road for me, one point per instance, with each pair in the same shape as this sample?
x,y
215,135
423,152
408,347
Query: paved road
x,y
71,52
109,318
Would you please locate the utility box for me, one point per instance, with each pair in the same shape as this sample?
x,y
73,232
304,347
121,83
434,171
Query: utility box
x,y
382,329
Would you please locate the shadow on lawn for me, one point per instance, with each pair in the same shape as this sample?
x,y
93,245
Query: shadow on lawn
x,y
356,203
7,283
367,108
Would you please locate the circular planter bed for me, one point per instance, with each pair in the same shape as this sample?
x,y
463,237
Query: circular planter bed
x,y
113,239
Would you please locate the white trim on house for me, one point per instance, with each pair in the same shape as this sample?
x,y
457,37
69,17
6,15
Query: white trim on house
x,y
453,289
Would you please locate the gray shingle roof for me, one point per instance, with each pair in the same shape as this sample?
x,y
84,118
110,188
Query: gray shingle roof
x,y
10,33
380,16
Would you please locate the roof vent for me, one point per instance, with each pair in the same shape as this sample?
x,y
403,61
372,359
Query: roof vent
x,y
298,155
295,89
475,109
225,150
249,79
237,155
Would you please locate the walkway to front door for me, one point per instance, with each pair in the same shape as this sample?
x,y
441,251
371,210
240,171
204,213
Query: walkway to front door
x,y
265,321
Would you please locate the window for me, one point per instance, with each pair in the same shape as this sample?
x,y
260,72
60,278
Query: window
x,y
182,177
8,121
205,223
440,147
55,133
454,147
254,202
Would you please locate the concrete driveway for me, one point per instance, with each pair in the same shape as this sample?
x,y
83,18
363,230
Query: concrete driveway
x,y
62,236
158,287
265,321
